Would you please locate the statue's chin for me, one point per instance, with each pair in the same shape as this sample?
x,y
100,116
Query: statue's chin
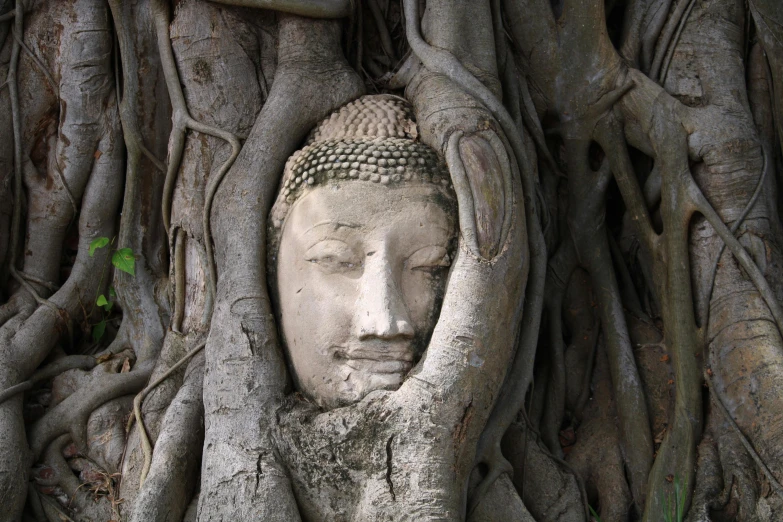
x,y
360,378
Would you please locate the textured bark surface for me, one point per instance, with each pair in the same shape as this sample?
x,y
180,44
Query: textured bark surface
x,y
609,343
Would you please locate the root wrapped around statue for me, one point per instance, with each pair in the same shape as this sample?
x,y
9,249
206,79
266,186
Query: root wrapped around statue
x,y
364,231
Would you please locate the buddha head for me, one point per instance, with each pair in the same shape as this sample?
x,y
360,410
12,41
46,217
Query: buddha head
x,y
360,243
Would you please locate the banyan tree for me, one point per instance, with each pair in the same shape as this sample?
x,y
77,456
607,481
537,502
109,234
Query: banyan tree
x,y
370,260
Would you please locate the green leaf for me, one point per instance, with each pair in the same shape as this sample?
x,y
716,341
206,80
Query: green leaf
x,y
98,330
112,293
595,515
98,242
104,303
124,260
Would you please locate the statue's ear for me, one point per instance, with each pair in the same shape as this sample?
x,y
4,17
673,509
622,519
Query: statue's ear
x,y
481,174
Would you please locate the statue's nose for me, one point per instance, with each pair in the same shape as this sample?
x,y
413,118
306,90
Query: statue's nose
x,y
380,309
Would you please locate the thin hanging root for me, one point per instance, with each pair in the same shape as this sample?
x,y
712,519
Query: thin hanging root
x,y
673,44
611,138
46,284
150,156
586,212
179,281
16,121
534,127
517,88
383,31
211,190
666,36
146,444
705,312
72,362
16,118
745,442
559,270
182,120
584,396
357,15
133,140
512,395
36,61
742,256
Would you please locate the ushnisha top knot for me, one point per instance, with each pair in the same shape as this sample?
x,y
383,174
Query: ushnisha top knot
x,y
372,139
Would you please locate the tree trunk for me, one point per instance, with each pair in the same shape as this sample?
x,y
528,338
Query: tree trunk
x,y
605,336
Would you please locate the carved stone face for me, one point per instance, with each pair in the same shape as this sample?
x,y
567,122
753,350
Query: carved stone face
x,y
361,270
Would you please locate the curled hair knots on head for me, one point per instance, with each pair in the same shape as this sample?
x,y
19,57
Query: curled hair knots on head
x,y
372,139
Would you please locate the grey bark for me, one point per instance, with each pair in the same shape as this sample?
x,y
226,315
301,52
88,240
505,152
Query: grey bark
x,y
615,163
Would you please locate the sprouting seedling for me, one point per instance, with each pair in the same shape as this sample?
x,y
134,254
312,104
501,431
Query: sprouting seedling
x,y
594,514
123,259
106,304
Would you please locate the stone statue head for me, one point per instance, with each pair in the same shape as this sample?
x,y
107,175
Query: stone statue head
x,y
360,241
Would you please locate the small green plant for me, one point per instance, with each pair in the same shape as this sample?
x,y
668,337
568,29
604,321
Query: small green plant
x,y
99,328
594,514
674,503
123,259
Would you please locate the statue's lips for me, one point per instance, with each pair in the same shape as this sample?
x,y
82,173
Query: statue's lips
x,y
377,357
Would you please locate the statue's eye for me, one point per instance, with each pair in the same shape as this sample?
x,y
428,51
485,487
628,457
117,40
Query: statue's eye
x,y
333,256
429,259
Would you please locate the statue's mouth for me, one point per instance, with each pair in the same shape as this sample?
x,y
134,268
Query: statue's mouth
x,y
382,366
380,357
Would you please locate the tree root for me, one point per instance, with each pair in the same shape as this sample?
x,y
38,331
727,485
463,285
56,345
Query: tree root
x,y
82,362
597,456
46,284
16,118
739,252
383,30
182,121
243,359
81,503
512,396
664,55
17,134
704,312
179,280
173,473
146,444
515,90
559,270
673,46
586,220
18,308
36,61
776,486
71,415
549,487
709,483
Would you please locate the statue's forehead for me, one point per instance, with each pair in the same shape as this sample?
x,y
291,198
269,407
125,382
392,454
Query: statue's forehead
x,y
356,205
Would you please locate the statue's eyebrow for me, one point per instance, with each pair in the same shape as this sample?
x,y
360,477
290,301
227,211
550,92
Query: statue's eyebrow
x,y
336,225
